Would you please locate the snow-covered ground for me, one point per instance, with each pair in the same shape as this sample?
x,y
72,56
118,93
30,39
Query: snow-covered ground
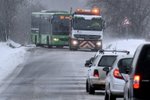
x,y
10,58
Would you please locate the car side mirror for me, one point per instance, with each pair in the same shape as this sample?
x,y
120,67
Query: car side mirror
x,y
88,63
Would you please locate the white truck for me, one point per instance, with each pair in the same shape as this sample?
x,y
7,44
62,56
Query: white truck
x,y
86,30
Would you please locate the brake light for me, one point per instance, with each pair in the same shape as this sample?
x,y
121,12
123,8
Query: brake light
x,y
96,74
117,74
136,82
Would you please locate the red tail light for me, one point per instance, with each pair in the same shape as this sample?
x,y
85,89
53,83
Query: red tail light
x,y
96,74
117,74
136,82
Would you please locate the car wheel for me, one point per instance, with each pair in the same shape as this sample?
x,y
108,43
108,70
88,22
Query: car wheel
x,y
87,90
91,89
111,96
126,97
106,96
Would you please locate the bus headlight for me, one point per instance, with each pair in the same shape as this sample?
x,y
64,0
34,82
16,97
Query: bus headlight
x,y
98,43
55,39
74,42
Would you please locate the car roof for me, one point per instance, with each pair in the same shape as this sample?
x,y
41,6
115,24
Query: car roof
x,y
112,52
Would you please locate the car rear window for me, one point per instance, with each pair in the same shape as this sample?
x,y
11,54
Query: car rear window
x,y
107,61
124,63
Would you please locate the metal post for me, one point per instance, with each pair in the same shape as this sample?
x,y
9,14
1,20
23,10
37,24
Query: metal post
x,y
127,32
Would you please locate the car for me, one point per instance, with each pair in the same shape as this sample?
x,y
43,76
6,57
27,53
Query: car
x,y
96,75
137,85
114,83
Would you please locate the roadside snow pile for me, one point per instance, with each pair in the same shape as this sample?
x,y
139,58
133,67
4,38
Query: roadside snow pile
x,y
130,45
10,58
13,44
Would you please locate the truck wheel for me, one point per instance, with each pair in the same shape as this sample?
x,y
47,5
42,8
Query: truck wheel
x,y
73,49
94,50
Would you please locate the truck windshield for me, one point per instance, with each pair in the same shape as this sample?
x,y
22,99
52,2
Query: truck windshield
x,y
79,23
60,25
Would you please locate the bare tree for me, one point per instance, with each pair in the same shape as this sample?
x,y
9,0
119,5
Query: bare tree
x,y
114,11
15,19
7,13
22,21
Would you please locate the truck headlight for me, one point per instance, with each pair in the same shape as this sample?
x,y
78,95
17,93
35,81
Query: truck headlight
x,y
98,43
74,42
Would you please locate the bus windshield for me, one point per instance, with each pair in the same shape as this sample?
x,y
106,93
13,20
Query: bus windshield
x,y
60,25
80,23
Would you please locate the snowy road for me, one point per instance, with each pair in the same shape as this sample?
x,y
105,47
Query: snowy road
x,y
50,74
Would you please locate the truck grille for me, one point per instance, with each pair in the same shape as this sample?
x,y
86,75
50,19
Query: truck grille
x,y
87,44
87,37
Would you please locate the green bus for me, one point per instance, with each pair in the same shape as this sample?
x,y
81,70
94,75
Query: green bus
x,y
50,28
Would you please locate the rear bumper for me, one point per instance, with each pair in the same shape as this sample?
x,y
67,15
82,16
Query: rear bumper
x,y
117,89
117,93
98,84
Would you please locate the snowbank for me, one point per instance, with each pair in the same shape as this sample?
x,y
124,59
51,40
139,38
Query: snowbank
x,y
130,45
10,58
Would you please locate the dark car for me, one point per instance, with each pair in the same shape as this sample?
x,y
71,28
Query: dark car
x,y
137,85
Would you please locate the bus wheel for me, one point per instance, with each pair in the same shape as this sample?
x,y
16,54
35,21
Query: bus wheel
x,y
60,46
49,46
37,45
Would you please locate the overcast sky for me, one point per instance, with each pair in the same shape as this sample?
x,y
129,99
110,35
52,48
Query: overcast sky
x,y
64,4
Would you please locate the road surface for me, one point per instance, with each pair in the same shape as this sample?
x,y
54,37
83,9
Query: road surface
x,y
49,74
